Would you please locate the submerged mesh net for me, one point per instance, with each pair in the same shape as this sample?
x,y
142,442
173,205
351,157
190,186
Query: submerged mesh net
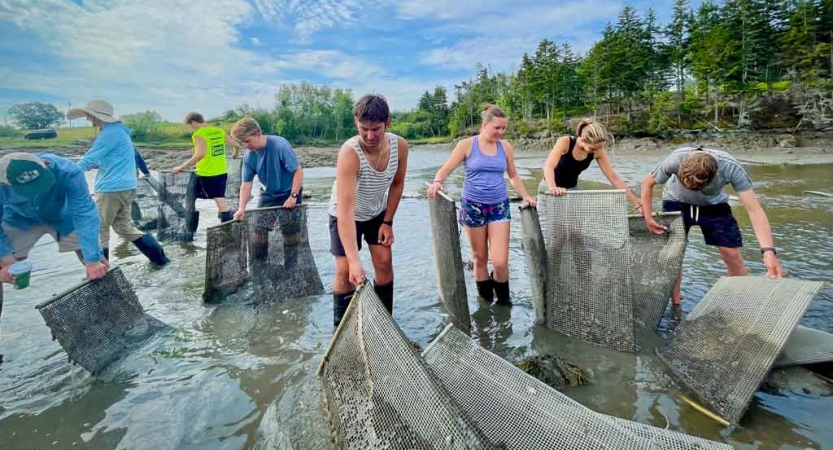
x,y
177,216
588,267
450,278
145,208
532,240
806,346
725,347
379,391
98,321
517,411
225,260
235,178
280,258
656,262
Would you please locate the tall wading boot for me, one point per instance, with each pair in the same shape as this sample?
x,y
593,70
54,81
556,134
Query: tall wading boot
x,y
502,292
225,216
106,252
486,290
340,303
385,293
149,247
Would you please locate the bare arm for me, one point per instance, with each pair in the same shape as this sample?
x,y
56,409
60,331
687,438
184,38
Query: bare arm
x,y
198,154
562,145
460,152
613,178
763,231
245,195
515,179
297,179
234,144
398,184
347,169
647,207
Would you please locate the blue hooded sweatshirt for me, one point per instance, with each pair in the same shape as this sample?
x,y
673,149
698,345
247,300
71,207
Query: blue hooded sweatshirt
x,y
114,155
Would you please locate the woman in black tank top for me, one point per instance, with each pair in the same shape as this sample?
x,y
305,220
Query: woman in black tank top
x,y
572,155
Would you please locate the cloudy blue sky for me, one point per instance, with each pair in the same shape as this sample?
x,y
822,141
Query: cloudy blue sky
x,y
174,56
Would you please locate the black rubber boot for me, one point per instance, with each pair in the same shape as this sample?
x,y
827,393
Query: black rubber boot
x,y
340,303
502,292
486,290
385,293
290,256
106,252
225,216
149,247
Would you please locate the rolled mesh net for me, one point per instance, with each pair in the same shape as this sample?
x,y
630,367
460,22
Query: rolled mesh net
x,y
725,347
656,262
806,346
280,259
145,208
177,216
99,321
516,411
226,262
535,252
448,259
235,178
379,392
588,267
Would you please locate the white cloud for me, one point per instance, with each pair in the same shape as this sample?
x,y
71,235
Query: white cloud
x,y
255,41
307,17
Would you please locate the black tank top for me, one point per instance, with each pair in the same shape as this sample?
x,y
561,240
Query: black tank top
x,y
568,169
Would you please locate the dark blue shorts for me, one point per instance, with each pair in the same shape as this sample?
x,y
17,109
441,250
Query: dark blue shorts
x,y
211,187
475,214
717,223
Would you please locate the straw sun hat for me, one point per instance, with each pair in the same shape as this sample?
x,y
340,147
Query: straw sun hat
x,y
97,108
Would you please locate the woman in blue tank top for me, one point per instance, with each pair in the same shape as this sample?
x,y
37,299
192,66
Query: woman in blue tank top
x,y
572,155
484,208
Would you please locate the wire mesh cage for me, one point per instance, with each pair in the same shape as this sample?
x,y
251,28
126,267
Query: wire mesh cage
x,y
588,267
99,321
656,264
451,280
226,262
535,252
145,207
379,391
233,182
177,216
806,346
281,264
725,347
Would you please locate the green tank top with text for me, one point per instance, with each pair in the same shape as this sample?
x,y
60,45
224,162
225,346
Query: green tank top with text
x,y
214,161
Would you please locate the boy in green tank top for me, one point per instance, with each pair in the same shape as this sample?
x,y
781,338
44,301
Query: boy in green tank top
x,y
209,161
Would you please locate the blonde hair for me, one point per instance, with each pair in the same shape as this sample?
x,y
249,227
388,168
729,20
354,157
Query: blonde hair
x,y
591,132
490,112
244,128
697,170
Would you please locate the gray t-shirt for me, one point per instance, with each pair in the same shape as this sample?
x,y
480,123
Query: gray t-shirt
x,y
729,171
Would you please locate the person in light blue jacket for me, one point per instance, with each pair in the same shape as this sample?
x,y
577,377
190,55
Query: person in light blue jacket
x,y
114,155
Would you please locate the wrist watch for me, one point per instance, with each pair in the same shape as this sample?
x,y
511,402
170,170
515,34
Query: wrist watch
x,y
769,249
294,195
388,222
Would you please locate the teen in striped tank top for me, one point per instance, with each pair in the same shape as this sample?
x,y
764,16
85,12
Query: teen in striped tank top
x,y
370,177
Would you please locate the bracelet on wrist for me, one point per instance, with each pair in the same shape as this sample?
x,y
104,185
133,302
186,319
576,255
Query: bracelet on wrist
x,y
769,249
388,222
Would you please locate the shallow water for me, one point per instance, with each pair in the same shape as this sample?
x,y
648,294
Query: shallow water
x,y
239,375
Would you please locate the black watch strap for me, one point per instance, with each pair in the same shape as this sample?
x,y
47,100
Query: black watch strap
x,y
769,249
388,222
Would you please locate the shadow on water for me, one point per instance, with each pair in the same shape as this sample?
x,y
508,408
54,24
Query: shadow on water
x,y
241,375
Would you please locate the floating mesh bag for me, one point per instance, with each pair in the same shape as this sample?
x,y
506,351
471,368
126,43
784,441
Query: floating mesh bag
x,y
450,278
532,240
177,216
226,266
145,208
806,346
280,259
516,411
379,392
588,267
233,182
656,262
99,321
726,346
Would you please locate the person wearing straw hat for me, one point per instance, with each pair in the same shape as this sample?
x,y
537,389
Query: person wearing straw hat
x,y
40,194
114,155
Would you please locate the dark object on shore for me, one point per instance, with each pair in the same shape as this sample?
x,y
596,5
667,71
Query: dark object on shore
x,y
553,371
41,134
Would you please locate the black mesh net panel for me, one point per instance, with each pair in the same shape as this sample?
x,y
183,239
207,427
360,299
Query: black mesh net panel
x,y
145,208
532,240
226,260
281,264
379,392
516,411
450,277
656,262
806,346
588,267
177,216
235,179
99,321
725,347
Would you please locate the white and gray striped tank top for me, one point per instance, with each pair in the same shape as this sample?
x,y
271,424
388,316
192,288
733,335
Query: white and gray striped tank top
x,y
371,185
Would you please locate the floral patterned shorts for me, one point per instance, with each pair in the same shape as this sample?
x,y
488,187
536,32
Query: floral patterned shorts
x,y
475,214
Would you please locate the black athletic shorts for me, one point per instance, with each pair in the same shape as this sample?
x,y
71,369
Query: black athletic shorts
x,y
211,187
717,223
368,229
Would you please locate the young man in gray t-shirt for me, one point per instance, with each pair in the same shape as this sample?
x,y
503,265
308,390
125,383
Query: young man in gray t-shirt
x,y
694,179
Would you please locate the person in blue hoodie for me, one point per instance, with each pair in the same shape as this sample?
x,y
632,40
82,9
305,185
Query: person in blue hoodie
x,y
114,155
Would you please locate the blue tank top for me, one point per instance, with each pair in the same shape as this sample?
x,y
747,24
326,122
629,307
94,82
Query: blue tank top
x,y
484,175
